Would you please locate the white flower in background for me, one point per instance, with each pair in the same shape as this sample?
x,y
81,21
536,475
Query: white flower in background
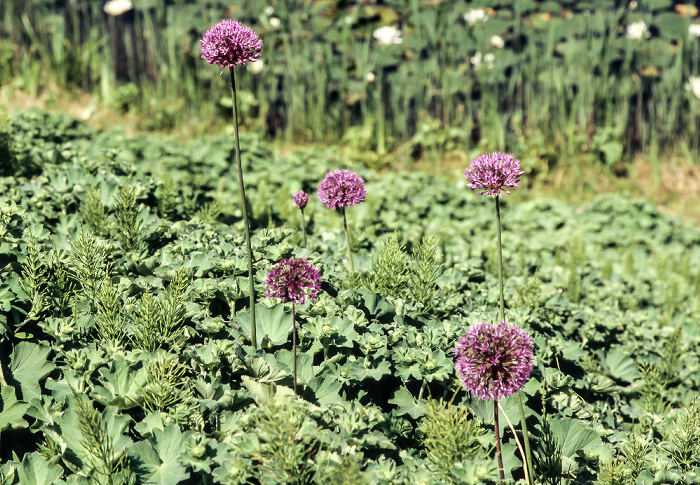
x,y
269,10
636,30
388,35
474,16
633,5
476,60
694,30
256,67
497,41
117,7
488,59
694,86
275,23
371,77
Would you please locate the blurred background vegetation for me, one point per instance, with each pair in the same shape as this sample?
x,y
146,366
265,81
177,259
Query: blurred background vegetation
x,y
561,83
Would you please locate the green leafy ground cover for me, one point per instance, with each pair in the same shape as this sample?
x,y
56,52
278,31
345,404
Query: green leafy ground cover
x,y
125,349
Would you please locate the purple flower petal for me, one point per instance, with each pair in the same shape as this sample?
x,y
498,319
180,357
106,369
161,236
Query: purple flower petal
x,y
230,43
492,173
494,361
293,280
341,188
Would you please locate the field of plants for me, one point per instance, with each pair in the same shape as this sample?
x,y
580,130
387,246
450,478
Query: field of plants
x,y
135,348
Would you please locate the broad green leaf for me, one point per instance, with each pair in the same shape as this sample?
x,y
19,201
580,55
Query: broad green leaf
x,y
28,366
273,325
326,390
620,365
12,410
121,385
157,459
305,371
35,470
572,437
407,403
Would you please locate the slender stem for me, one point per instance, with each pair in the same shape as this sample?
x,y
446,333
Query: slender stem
x,y
500,259
303,226
454,395
498,442
526,440
520,446
294,345
347,239
244,206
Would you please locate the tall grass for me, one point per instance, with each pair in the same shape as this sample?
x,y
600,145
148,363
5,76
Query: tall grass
x,y
563,83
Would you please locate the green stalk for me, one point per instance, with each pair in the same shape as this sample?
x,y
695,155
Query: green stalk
x,y
303,226
244,206
500,259
523,424
347,239
294,345
499,455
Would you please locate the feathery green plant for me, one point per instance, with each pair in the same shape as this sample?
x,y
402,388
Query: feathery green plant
x,y
126,211
426,269
634,454
34,278
611,472
158,320
110,323
94,214
165,385
449,436
388,275
548,465
685,438
108,465
87,262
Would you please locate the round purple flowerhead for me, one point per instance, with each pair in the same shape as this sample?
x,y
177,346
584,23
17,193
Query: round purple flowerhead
x,y
293,280
341,188
300,199
230,43
491,174
494,360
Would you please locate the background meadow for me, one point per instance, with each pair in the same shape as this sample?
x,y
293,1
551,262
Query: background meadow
x,y
125,345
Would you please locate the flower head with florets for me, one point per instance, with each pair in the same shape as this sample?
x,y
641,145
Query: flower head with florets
x,y
230,43
293,280
300,198
341,188
494,360
491,174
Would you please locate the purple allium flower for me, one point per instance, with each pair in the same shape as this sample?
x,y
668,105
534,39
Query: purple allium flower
x,y
230,43
492,173
293,280
341,188
300,199
494,360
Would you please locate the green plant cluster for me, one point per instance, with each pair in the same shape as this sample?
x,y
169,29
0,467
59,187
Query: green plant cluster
x,y
125,350
543,78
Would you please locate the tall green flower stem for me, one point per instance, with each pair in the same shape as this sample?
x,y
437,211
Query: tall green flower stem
x,y
347,239
526,440
303,226
244,206
499,455
294,345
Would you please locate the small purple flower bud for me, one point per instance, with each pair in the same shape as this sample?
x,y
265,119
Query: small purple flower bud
x,y
300,199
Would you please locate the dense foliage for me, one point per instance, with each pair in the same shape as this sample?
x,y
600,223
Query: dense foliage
x,y
125,349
